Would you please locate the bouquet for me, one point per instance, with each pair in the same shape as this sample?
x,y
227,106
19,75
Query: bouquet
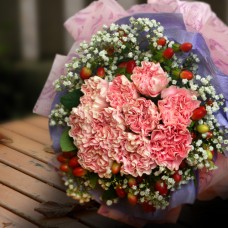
x,y
138,118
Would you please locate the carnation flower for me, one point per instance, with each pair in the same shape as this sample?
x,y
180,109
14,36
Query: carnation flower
x,y
121,91
136,157
95,159
171,145
95,91
149,79
177,106
141,115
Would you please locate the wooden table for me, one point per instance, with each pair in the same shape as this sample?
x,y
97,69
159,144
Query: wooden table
x,y
27,179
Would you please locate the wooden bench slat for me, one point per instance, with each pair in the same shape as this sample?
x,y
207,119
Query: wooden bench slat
x,y
38,121
19,204
24,206
31,187
9,219
63,223
32,132
27,146
30,166
93,219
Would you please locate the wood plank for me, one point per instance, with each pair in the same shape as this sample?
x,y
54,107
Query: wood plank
x,y
9,219
38,121
27,146
32,132
93,219
63,223
37,190
31,166
24,206
19,204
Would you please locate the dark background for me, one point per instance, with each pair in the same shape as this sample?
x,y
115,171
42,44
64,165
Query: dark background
x,y
22,79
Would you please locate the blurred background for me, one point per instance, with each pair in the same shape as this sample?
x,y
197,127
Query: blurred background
x,y
31,33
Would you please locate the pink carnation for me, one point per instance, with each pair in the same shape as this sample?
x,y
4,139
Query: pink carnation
x,y
98,136
80,123
170,145
141,115
95,91
149,79
177,105
121,91
95,159
136,156
136,165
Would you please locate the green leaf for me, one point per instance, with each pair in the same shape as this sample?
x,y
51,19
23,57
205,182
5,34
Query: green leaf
x,y
128,77
167,68
121,70
109,194
93,178
71,99
191,126
66,142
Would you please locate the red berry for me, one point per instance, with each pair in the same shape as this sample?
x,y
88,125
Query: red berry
x,y
73,162
100,72
182,165
61,158
209,134
139,179
110,51
132,199
161,187
177,177
115,167
210,102
194,136
85,73
132,181
120,192
186,74
64,167
122,65
68,154
161,41
168,53
186,47
148,207
199,113
131,64
79,172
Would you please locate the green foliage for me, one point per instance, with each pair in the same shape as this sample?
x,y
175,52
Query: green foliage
x,y
109,194
66,142
71,99
93,178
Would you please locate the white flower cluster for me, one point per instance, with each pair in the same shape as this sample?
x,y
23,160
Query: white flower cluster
x,y
58,116
70,81
76,191
200,157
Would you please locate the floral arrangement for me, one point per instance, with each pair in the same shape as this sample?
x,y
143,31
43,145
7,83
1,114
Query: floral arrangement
x,y
139,118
